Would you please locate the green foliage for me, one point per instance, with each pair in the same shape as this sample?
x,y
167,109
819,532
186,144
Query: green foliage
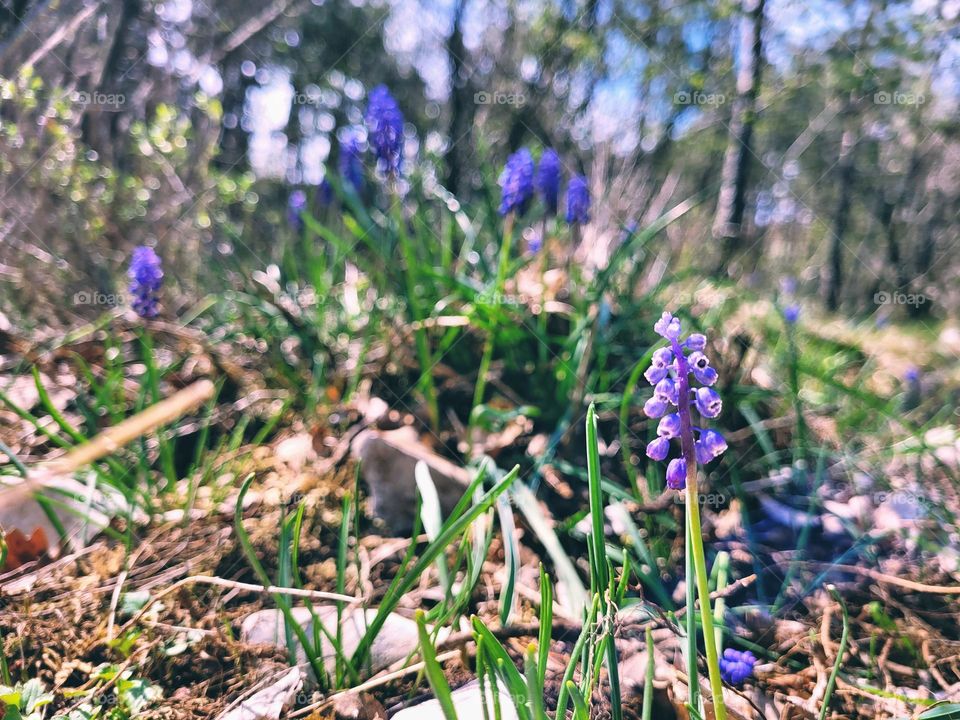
x,y
25,701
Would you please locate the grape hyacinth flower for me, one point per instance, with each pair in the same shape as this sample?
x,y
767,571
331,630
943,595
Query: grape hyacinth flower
x,y
385,129
534,243
547,181
324,193
578,200
146,276
791,313
736,665
351,166
296,205
669,373
672,371
517,183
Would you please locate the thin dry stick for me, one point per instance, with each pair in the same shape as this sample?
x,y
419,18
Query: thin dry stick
x,y
112,439
372,683
235,585
889,579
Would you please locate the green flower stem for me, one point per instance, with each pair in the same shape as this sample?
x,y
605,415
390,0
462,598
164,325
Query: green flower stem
x,y
693,684
703,589
696,533
488,344
420,333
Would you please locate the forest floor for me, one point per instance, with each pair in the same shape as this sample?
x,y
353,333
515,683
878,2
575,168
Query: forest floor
x,y
865,579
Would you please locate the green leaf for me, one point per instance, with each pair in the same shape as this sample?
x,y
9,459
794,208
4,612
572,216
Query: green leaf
x,y
435,676
598,570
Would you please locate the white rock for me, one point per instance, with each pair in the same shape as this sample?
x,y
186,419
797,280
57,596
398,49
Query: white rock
x,y
395,641
267,704
83,507
468,703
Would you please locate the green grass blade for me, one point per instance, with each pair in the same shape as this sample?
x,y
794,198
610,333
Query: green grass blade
x,y
453,528
599,579
511,551
844,636
546,621
434,673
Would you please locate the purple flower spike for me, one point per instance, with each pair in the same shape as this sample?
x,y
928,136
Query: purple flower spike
x,y
578,200
517,183
709,403
351,164
658,449
791,313
736,666
296,205
672,371
385,129
146,276
324,193
548,180
677,474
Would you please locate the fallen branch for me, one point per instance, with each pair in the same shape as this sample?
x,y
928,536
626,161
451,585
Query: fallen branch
x,y
235,585
114,438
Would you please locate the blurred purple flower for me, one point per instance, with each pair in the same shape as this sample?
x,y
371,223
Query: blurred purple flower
x,y
296,205
351,165
146,277
736,665
534,244
548,180
324,193
517,183
385,129
578,200
791,313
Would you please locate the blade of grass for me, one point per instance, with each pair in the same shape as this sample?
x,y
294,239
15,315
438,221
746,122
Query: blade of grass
x,y
453,528
648,681
512,556
534,687
575,656
599,579
844,635
434,673
546,621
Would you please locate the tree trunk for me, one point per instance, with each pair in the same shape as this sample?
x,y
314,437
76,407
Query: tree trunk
x,y
462,104
731,203
833,281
